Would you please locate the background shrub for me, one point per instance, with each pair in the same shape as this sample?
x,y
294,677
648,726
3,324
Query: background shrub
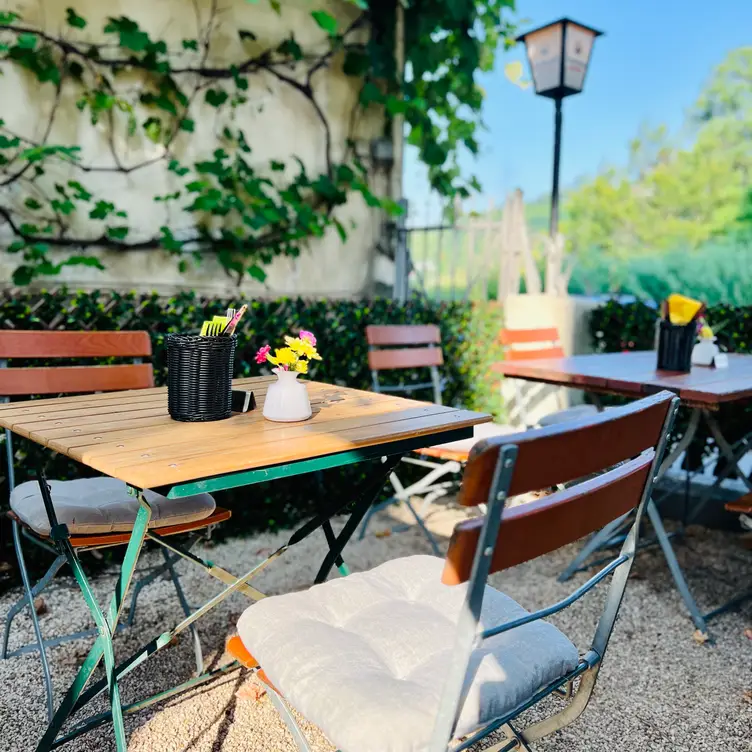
x,y
467,335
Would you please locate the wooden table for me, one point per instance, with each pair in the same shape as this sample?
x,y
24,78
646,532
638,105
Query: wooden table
x,y
130,436
634,374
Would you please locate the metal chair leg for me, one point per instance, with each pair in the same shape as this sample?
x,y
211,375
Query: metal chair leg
x,y
288,718
187,610
34,618
424,529
22,602
673,565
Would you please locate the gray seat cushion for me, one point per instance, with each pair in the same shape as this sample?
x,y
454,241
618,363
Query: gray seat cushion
x,y
365,657
91,506
571,413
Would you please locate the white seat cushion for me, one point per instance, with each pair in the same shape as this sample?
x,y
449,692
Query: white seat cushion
x,y
365,657
91,506
571,413
481,431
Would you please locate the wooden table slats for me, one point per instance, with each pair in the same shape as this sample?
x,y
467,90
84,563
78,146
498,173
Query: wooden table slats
x,y
130,436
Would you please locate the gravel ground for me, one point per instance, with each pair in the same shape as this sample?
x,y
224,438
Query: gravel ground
x,y
658,689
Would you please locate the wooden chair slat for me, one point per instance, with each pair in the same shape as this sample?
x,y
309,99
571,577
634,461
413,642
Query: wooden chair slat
x,y
528,336
425,334
59,344
539,527
567,451
542,354
416,357
74,379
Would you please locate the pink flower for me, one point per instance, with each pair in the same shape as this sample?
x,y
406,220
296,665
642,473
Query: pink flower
x,y
262,353
308,336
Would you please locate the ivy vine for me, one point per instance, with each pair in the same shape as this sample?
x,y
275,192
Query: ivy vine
x,y
244,212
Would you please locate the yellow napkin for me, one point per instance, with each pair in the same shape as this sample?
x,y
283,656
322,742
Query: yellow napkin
x,y
681,310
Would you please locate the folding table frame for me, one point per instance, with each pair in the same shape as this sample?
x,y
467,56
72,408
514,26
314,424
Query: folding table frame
x,y
78,695
634,374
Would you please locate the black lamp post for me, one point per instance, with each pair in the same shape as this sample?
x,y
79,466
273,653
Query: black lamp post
x,y
559,54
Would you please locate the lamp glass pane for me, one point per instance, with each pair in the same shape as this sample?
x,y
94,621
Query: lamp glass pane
x,y
544,51
579,44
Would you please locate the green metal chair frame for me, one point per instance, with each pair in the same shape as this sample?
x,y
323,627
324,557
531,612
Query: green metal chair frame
x,y
75,379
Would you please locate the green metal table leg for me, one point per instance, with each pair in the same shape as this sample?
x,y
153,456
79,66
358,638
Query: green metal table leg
x,y
106,626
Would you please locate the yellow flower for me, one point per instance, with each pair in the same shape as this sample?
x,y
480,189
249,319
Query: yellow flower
x,y
283,357
302,347
301,366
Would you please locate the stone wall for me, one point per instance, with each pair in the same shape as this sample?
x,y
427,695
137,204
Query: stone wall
x,y
279,122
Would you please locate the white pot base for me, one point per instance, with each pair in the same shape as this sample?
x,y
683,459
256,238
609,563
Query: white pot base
x,y
286,399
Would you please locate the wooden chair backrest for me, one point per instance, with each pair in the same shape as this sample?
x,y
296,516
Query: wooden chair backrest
x,y
403,341
31,345
548,338
619,446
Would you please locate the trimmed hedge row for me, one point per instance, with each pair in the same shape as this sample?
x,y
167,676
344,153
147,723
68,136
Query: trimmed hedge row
x,y
339,325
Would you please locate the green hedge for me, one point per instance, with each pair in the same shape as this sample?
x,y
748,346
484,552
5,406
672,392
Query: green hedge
x,y
616,327
339,326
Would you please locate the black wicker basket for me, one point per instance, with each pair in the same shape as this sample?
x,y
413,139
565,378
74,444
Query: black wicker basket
x,y
675,344
199,377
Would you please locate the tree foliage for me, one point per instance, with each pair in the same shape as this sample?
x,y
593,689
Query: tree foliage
x,y
229,202
675,195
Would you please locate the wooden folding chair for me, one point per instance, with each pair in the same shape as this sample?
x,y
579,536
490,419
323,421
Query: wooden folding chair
x,y
538,344
65,518
421,653
415,347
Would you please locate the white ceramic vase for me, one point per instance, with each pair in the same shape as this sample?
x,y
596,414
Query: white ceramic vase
x,y
287,399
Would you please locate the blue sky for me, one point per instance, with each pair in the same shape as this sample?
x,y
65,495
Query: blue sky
x,y
648,68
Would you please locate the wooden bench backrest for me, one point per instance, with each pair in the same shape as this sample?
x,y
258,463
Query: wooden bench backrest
x,y
30,345
546,336
404,352
618,446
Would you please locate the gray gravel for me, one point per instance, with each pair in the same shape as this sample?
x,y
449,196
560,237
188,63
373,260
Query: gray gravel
x,y
658,689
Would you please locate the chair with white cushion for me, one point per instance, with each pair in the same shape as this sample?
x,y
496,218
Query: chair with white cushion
x,y
420,654
97,512
538,344
412,348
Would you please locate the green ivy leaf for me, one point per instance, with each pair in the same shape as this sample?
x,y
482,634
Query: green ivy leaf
x,y
290,47
356,63
23,275
215,97
153,129
32,203
187,125
117,233
91,261
8,17
27,41
190,44
9,143
340,230
174,166
277,166
326,21
257,273
101,210
80,192
370,93
74,20
244,35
